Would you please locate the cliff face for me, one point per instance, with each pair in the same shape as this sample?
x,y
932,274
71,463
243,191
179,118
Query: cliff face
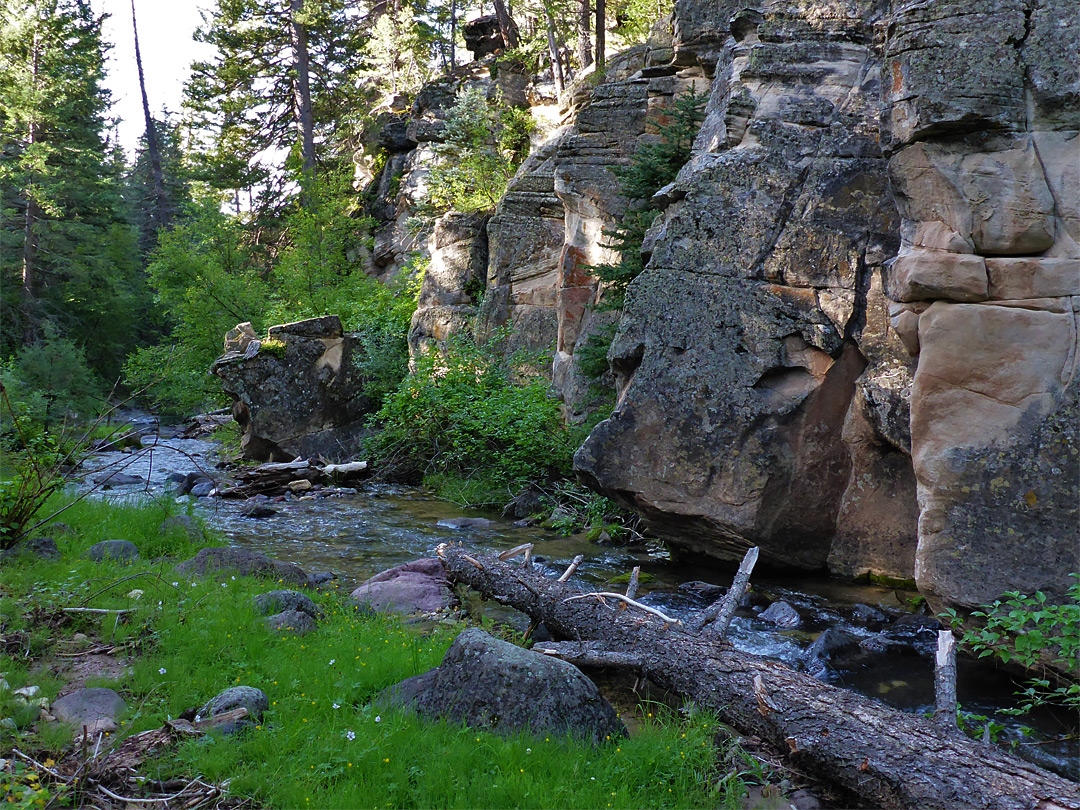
x,y
873,183
855,340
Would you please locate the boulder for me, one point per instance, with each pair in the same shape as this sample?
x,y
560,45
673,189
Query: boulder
x,y
465,523
257,511
42,548
96,709
116,478
236,697
123,550
416,587
241,562
494,685
482,36
277,601
302,399
781,614
292,621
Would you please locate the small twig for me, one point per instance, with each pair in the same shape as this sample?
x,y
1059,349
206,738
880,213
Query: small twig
x,y
601,594
110,611
474,562
571,568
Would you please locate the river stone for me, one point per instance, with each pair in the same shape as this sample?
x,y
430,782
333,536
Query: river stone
x,y
463,523
116,479
416,587
242,562
236,697
295,621
95,708
202,489
188,482
277,601
256,511
112,550
781,614
491,684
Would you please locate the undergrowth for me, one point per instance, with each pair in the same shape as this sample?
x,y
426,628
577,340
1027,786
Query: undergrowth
x,y
322,743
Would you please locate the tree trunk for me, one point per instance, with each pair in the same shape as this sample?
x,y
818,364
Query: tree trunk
x,y
453,34
584,45
553,54
302,96
151,136
507,26
885,757
601,34
28,289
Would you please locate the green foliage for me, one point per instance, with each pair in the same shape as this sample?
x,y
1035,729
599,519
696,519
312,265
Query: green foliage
x,y
634,19
1028,631
485,143
466,411
48,382
655,164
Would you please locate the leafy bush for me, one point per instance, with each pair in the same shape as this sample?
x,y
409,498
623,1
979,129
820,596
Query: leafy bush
x,y
485,143
1028,631
466,411
654,165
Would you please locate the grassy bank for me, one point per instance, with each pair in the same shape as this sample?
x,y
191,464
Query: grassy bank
x,y
320,744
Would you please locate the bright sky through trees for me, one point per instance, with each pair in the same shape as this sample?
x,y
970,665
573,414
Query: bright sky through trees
x,y
165,29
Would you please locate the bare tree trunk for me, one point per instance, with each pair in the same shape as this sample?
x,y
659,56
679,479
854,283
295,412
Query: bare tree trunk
x,y
885,757
584,44
302,94
453,34
162,207
553,54
507,26
601,34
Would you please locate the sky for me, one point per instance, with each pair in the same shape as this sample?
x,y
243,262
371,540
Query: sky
x,y
165,29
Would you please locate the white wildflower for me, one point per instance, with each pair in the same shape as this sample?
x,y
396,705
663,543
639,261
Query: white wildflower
x,y
350,735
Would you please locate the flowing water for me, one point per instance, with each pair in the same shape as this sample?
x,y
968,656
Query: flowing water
x,y
381,526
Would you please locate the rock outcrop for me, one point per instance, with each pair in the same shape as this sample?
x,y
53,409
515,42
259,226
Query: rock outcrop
x,y
855,342
985,160
296,393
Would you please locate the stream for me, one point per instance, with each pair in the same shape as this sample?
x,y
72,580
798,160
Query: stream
x,y
380,526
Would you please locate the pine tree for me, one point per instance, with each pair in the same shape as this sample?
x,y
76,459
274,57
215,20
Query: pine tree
x,y
67,253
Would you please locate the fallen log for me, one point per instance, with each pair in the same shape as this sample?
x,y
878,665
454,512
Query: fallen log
x,y
885,757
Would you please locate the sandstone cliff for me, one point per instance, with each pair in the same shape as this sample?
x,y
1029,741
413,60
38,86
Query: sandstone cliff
x,y
855,341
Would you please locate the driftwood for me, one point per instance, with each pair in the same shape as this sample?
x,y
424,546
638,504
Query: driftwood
x,y
281,477
885,757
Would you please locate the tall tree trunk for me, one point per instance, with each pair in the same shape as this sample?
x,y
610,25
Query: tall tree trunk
x,y
584,44
28,290
302,97
601,33
453,34
553,54
151,135
507,26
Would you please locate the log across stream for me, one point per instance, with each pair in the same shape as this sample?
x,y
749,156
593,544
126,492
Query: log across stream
x,y
885,757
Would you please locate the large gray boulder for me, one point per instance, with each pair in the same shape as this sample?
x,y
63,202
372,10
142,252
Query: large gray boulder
x,y
491,684
296,393
116,550
237,697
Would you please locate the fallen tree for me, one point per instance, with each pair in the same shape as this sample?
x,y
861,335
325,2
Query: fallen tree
x,y
885,757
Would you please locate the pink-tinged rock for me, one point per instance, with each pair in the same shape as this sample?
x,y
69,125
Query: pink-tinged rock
x,y
935,274
415,587
1026,277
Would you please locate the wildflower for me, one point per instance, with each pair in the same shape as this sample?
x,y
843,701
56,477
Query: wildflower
x,y
335,705
176,584
332,660
378,719
233,578
161,671
528,750
386,760
350,735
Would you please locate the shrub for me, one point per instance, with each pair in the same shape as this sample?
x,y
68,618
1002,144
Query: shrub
x,y
1028,631
485,143
468,412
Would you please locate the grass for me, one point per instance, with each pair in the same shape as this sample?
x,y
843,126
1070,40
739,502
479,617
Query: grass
x,y
322,743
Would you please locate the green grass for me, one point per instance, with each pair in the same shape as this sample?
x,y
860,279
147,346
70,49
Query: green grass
x,y
322,743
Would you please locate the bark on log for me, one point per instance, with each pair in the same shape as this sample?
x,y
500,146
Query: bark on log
x,y
885,757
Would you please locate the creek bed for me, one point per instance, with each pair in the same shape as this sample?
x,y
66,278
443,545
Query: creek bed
x,y
381,526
